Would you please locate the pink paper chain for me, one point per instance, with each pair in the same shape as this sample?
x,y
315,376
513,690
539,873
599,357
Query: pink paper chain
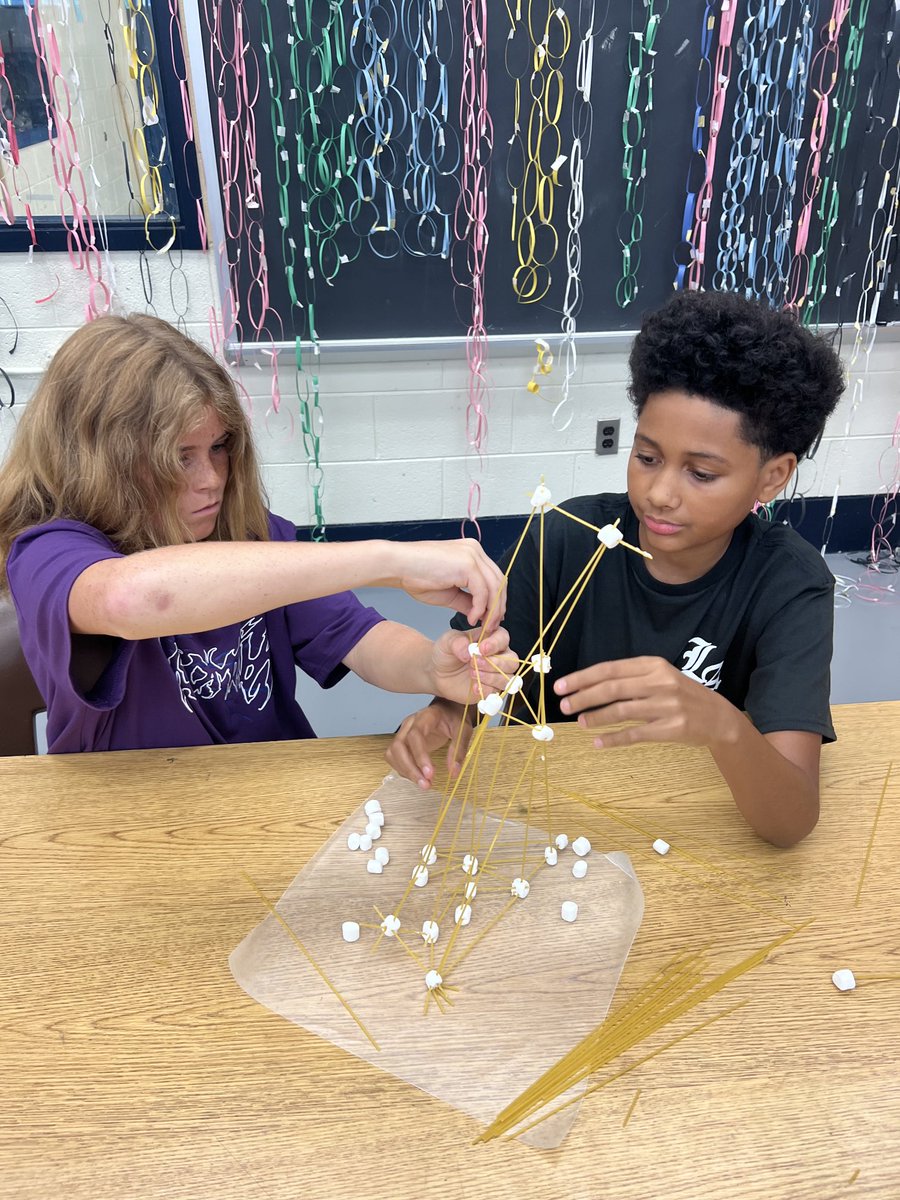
x,y
81,239
721,80
470,225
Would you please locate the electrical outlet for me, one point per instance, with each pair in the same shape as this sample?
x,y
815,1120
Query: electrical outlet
x,y
608,436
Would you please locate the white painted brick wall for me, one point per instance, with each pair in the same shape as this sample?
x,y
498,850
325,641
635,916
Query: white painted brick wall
x,y
394,447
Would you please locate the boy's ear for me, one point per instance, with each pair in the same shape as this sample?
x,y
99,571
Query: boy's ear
x,y
774,474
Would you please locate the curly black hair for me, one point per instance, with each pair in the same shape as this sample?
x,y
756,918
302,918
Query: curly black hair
x,y
782,380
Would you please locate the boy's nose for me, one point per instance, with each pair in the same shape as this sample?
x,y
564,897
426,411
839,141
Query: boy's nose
x,y
662,492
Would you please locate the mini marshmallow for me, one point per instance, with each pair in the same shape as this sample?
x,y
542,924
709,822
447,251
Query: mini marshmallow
x,y
377,818
382,855
542,733
474,649
541,496
430,932
373,831
471,891
353,841
433,979
420,875
390,925
581,846
550,856
470,864
365,842
540,663
569,910
350,931
661,847
463,914
514,685
579,869
844,980
429,855
520,888
562,840
491,704
610,536
371,806
374,867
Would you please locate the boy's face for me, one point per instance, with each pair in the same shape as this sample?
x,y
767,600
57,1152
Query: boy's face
x,y
691,481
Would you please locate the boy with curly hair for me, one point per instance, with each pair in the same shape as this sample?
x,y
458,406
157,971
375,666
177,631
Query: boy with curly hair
x,y
724,638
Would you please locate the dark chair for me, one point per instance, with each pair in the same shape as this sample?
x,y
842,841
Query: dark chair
x,y
20,699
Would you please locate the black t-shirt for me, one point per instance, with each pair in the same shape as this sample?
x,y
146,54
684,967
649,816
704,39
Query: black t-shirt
x,y
757,628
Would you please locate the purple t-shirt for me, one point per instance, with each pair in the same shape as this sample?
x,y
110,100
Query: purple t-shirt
x,y
235,684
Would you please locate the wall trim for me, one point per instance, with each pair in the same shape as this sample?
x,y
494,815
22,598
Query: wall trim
x,y
852,530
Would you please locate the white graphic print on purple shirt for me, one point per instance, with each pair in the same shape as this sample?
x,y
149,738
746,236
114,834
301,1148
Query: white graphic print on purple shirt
x,y
245,668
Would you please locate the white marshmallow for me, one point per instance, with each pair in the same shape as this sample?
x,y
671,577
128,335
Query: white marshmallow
x,y
377,818
491,704
420,875
430,932
471,891
541,496
514,685
429,855
353,841
540,663
610,536
390,925
569,910
373,831
371,806
365,842
581,846
550,856
470,864
350,931
463,914
382,855
520,888
844,980
562,840
433,979
542,733
661,847
374,867
579,869
474,649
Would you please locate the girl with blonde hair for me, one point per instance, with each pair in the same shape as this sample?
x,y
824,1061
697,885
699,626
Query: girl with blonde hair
x,y
160,603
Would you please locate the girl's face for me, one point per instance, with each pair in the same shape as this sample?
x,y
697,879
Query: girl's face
x,y
205,461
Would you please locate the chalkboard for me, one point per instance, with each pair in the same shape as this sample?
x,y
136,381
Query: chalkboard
x,y
409,295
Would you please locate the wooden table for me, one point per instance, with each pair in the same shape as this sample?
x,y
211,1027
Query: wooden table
x,y
131,1065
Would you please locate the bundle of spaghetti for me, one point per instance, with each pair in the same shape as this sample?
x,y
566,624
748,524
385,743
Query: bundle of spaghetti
x,y
674,991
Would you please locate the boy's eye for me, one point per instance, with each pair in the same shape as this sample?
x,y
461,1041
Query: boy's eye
x,y
646,459
703,476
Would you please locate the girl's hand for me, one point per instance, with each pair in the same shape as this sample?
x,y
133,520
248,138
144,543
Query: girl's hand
x,y
464,677
456,575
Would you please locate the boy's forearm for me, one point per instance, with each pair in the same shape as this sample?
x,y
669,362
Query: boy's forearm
x,y
778,798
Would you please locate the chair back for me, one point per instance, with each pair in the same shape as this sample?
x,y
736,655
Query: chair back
x,y
20,699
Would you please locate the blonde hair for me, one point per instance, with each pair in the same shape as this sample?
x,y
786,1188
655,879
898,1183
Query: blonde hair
x,y
99,440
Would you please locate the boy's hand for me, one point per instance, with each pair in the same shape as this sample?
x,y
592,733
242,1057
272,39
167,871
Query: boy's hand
x,y
458,675
665,705
422,733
